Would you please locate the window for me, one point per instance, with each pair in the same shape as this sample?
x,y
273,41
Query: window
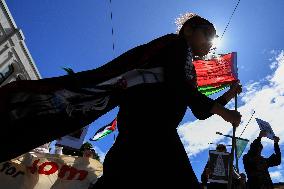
x,y
5,73
20,77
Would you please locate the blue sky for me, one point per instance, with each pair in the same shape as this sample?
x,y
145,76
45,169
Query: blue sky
x,y
77,34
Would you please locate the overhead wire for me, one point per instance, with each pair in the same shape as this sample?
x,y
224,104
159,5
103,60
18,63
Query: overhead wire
x,y
213,50
247,123
230,19
112,28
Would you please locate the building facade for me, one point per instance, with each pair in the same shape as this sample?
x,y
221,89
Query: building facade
x,y
16,63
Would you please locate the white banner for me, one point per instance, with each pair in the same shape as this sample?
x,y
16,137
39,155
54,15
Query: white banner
x,y
49,172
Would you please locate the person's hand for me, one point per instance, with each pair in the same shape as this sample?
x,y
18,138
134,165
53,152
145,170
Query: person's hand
x,y
276,139
233,116
207,172
262,133
235,88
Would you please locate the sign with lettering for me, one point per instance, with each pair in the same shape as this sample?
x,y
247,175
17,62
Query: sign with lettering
x,y
218,166
49,171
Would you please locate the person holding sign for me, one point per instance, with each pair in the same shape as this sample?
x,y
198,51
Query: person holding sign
x,y
221,183
256,166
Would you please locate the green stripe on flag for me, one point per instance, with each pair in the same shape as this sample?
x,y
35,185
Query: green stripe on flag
x,y
102,135
209,90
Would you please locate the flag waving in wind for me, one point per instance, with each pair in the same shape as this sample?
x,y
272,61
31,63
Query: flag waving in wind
x,y
104,131
216,74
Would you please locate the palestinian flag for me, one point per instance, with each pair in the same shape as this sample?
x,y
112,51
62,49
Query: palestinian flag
x,y
104,131
216,74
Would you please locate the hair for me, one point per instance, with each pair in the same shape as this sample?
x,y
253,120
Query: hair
x,y
221,147
191,19
86,146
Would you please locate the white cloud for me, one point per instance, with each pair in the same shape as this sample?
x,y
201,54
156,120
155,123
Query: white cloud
x,y
266,97
277,176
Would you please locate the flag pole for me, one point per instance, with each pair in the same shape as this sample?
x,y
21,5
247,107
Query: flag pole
x,y
232,151
234,137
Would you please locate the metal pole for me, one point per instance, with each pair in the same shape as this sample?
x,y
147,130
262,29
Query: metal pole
x,y
232,152
236,149
236,156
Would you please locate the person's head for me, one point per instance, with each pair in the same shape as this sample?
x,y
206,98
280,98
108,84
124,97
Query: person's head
x,y
221,148
256,149
198,32
259,149
88,153
86,150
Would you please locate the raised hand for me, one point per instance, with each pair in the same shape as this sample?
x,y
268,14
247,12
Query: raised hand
x,y
276,139
262,133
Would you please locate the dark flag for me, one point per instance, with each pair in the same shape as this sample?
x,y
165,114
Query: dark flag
x,y
34,112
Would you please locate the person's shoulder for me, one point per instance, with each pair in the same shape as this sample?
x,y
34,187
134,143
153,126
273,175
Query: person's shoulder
x,y
174,35
168,40
245,156
169,37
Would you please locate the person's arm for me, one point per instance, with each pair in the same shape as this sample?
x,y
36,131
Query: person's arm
x,y
232,116
257,142
275,159
220,102
235,88
203,107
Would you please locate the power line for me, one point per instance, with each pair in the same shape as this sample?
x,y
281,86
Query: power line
x,y
230,20
112,30
213,50
247,123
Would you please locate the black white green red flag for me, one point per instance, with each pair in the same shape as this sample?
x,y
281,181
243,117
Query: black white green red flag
x,y
104,131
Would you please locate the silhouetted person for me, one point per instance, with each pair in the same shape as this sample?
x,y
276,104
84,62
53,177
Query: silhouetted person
x,y
148,151
157,83
256,166
215,185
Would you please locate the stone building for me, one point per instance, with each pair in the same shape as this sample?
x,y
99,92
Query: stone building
x,y
16,62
